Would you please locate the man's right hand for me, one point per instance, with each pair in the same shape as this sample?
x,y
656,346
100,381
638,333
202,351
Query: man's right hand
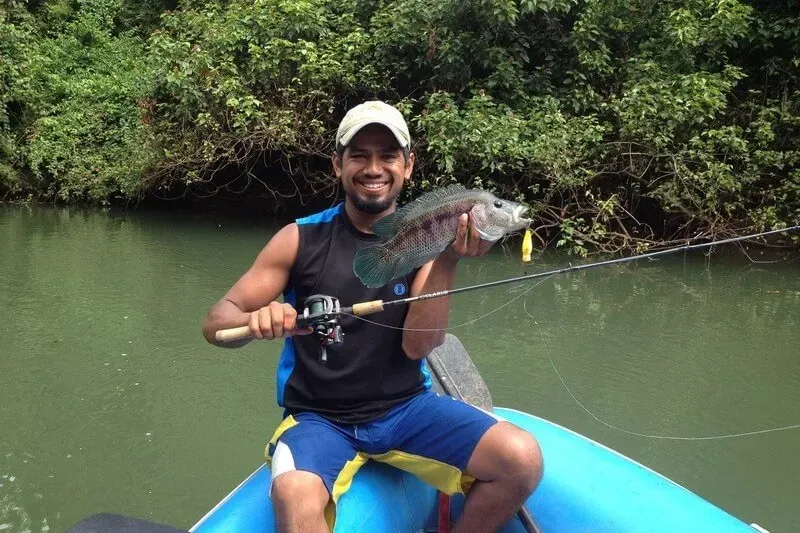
x,y
276,321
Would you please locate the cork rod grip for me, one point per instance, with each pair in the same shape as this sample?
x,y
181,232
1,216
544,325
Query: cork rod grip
x,y
233,334
365,308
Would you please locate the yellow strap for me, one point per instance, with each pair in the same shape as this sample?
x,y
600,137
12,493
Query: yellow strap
x,y
444,477
287,423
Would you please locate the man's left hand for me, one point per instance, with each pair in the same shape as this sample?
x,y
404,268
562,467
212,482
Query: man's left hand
x,y
468,242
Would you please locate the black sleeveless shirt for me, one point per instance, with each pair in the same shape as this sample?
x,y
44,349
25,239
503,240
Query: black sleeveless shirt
x,y
367,374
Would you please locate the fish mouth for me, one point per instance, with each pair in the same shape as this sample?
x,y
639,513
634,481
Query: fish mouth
x,y
518,216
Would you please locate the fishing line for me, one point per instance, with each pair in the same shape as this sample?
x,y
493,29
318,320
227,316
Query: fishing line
x,y
565,270
636,433
378,305
546,275
468,323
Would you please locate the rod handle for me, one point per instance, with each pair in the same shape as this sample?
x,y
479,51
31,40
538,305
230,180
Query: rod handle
x,y
365,308
233,334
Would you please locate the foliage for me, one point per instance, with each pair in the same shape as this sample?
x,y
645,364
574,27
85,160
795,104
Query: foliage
x,y
12,38
252,78
624,123
77,86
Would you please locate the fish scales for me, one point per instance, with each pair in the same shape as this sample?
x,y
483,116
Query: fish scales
x,y
422,229
434,228
426,237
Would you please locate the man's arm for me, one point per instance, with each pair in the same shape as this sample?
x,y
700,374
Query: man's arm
x,y
252,299
438,275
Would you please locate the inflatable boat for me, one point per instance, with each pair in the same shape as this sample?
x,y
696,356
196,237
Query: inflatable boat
x,y
586,487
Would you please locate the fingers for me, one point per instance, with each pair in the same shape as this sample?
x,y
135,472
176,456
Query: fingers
x,y
263,321
255,324
276,320
461,240
468,242
278,315
301,331
473,239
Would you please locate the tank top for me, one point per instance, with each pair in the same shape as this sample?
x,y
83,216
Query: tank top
x,y
369,373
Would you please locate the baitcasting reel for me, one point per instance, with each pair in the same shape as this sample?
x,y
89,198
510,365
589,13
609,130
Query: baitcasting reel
x,y
321,313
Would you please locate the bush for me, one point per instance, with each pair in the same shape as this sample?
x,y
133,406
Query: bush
x,y
624,124
78,87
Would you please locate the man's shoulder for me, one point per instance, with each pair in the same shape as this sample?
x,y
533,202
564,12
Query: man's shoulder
x,y
322,217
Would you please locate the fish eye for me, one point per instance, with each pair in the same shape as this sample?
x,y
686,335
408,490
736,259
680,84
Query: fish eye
x,y
498,204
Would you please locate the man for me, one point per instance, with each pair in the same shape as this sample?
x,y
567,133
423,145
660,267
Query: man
x,y
371,398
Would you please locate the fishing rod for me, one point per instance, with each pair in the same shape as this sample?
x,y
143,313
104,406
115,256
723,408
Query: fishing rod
x,y
322,312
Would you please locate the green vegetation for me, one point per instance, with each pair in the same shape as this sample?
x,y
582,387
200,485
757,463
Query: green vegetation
x,y
625,123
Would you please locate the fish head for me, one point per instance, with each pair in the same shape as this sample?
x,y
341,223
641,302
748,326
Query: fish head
x,y
495,217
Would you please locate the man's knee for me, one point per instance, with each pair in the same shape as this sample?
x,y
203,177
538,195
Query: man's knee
x,y
526,455
518,457
299,494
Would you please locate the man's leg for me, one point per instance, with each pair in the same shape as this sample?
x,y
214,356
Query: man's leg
x,y
308,460
507,466
465,443
299,500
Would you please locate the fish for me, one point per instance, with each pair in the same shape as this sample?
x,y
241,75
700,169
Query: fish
x,y
422,229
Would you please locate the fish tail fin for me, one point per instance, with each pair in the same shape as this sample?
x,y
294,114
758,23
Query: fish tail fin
x,y
373,267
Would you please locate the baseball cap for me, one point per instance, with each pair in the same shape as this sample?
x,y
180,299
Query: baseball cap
x,y
373,112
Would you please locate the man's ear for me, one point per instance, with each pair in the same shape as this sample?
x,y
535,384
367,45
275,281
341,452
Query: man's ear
x,y
337,164
409,166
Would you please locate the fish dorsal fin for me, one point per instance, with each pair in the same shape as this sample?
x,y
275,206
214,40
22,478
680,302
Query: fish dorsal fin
x,y
422,203
386,226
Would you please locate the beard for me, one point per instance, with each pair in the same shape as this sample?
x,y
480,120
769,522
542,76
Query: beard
x,y
372,206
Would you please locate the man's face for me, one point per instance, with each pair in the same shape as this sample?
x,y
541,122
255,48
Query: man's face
x,y
373,169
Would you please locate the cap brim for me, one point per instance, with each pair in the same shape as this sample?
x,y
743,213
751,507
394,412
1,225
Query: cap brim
x,y
347,136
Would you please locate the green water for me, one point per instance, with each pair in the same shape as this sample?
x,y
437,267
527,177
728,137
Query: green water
x,y
110,400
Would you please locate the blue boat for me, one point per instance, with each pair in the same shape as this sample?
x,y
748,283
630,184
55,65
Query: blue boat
x,y
586,488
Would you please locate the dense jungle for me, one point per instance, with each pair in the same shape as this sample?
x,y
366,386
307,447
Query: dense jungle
x,y
627,125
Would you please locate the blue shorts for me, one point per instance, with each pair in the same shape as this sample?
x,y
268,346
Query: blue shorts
x,y
430,435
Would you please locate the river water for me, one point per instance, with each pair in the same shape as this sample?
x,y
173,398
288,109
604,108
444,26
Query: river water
x,y
110,399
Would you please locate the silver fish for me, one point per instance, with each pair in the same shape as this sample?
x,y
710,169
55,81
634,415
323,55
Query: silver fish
x,y
422,229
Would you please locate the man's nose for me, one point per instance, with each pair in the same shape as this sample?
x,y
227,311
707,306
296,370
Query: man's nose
x,y
374,167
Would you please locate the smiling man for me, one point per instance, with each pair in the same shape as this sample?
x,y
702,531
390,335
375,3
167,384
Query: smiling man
x,y
371,399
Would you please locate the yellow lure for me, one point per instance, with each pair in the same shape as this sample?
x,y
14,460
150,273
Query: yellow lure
x,y
527,246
